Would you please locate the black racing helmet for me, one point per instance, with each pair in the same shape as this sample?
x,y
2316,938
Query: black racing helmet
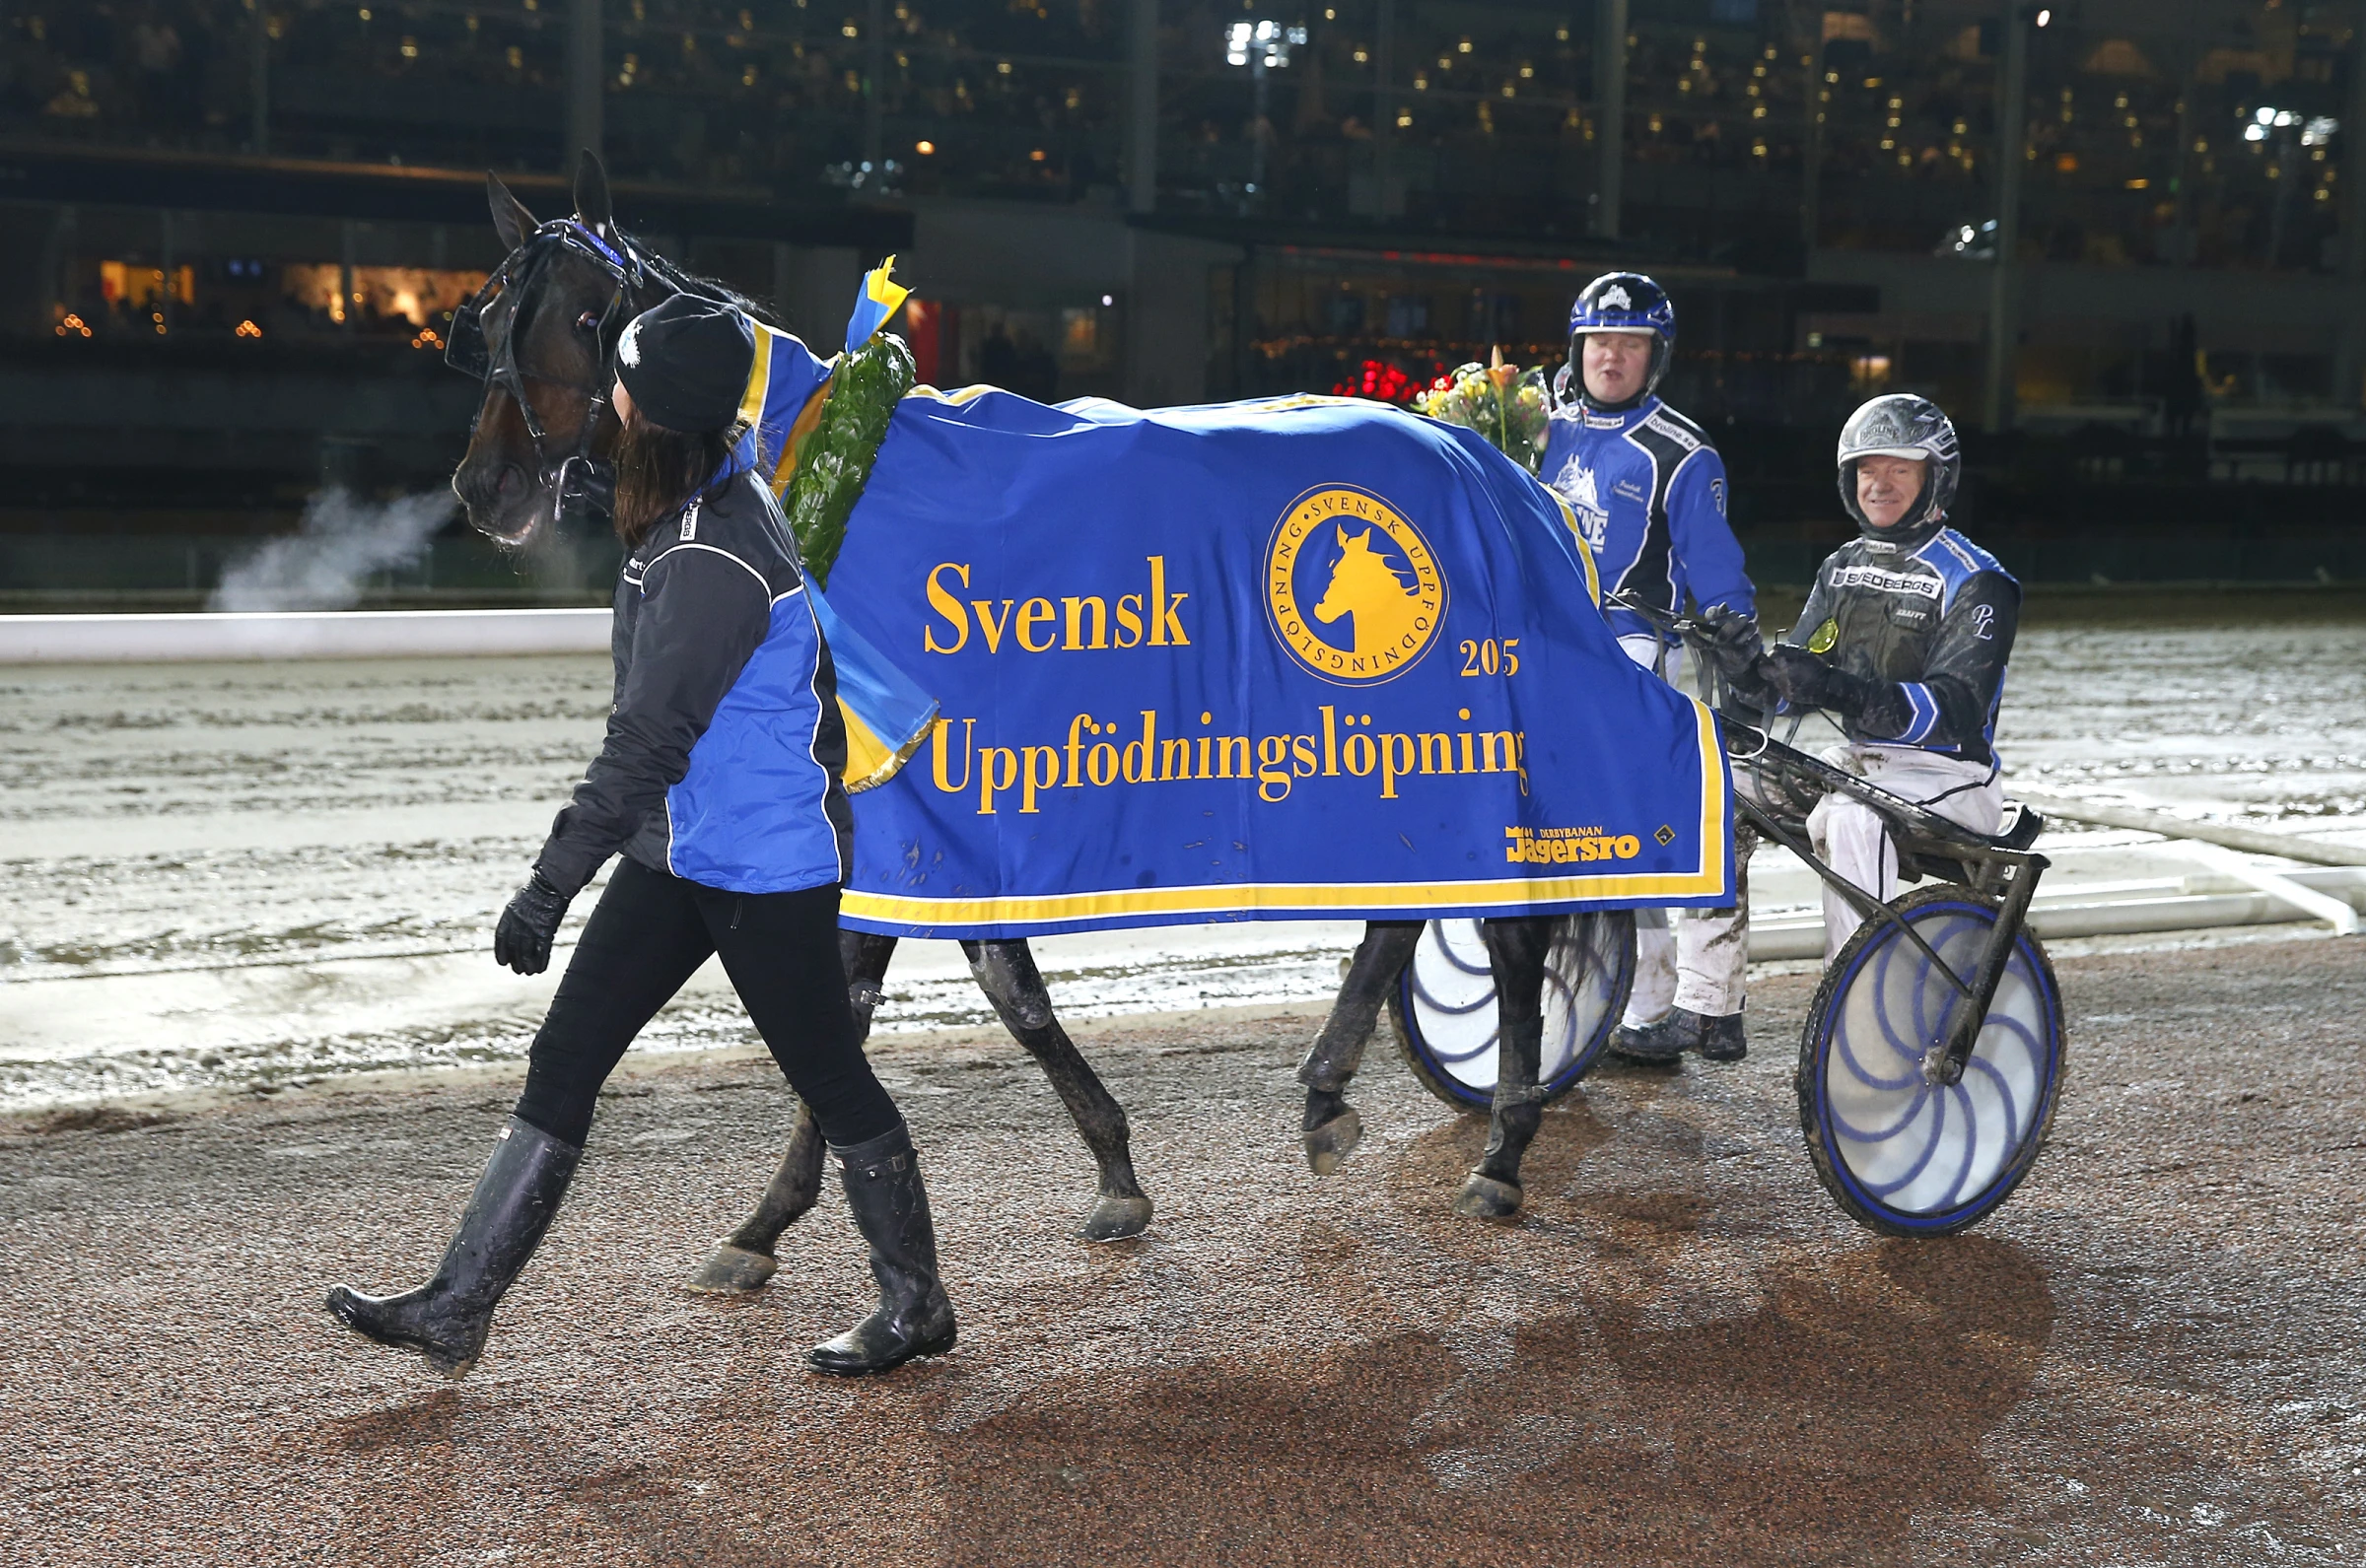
x,y
1903,424
1621,302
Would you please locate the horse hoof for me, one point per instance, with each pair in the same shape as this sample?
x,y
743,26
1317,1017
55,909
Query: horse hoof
x,y
1485,1197
1333,1142
733,1271
1115,1219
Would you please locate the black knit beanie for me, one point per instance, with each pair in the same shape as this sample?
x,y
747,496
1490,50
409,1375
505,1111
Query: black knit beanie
x,y
686,363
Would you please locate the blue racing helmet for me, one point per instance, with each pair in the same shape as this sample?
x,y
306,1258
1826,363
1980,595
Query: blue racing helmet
x,y
1623,302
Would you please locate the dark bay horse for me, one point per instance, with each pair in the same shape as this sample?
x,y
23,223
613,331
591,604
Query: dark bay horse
x,y
542,334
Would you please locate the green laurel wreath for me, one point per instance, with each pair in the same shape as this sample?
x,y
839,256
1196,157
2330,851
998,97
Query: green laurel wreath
x,y
837,457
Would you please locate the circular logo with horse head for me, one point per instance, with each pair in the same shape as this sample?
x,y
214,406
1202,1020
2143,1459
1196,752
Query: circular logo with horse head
x,y
1351,586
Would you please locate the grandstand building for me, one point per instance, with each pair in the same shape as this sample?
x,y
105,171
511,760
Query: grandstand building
x,y
2125,240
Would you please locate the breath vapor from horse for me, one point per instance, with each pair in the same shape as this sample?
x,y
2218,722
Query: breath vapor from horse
x,y
325,564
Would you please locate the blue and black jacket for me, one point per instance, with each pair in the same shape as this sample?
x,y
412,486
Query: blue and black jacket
x,y
1648,489
1932,625
725,751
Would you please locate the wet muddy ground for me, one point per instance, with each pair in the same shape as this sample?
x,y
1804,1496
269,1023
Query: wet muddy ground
x,y
1682,1353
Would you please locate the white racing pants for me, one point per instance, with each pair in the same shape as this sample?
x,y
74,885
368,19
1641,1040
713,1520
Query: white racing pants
x,y
1852,839
1693,959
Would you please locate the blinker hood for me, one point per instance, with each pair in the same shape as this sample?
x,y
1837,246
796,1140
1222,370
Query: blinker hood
x,y
583,487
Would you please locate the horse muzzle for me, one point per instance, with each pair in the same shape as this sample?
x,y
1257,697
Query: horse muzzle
x,y
500,500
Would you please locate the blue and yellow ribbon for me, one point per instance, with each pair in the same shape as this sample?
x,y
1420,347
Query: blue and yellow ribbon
x,y
887,713
880,298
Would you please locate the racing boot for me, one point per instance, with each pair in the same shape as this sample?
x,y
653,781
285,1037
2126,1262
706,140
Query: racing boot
x,y
1722,1038
446,1319
1650,1044
1711,1039
883,1190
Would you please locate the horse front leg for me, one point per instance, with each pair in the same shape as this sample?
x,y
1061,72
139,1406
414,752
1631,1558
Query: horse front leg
x,y
1332,1128
1516,950
744,1260
1006,972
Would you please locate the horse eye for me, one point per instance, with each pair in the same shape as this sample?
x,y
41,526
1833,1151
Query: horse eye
x,y
588,322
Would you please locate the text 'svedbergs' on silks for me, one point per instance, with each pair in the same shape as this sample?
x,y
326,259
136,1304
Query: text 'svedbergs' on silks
x,y
1308,658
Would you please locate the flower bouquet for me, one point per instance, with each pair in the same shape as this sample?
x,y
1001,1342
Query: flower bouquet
x,y
1501,402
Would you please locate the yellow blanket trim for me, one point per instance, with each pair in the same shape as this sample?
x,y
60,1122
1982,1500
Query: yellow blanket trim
x,y
1586,552
1244,897
759,378
809,420
957,396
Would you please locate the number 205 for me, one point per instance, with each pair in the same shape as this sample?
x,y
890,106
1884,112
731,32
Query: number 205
x,y
1490,657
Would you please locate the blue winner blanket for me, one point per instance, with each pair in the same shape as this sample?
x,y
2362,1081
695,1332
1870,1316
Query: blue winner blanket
x,y
1303,659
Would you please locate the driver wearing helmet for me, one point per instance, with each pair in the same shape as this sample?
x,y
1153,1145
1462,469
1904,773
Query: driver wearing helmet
x,y
1904,640
1648,493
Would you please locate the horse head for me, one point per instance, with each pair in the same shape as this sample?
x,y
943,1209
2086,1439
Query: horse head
x,y
542,333
1361,579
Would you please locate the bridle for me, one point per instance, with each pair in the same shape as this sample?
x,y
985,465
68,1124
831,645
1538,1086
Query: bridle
x,y
583,487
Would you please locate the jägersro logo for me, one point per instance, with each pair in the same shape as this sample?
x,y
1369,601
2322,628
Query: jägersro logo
x,y
1351,586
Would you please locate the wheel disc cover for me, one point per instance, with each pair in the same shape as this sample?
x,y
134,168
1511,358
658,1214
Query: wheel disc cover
x,y
1451,1001
1912,1146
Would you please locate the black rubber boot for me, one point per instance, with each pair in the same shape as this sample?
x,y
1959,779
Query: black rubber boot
x,y
1651,1045
890,1207
1683,1030
1723,1039
446,1319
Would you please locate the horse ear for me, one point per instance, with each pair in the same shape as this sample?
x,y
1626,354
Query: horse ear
x,y
510,220
592,204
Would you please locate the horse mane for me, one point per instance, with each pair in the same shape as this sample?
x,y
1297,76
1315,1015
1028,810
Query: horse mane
x,y
1364,542
683,281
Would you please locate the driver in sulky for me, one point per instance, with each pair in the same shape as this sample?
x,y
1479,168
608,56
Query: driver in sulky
x,y
1904,640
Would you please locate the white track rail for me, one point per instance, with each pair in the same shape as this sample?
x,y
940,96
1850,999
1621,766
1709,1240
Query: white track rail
x,y
2068,913
297,635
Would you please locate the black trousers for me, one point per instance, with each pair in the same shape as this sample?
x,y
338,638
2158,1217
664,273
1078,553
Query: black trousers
x,y
646,939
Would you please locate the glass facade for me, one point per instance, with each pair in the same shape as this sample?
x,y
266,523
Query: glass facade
x,y
2145,139
1753,141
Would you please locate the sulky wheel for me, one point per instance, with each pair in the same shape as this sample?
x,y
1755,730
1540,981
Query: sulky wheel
x,y
1903,1154
1444,1005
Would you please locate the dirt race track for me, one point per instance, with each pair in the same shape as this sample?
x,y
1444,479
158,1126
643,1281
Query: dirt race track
x,y
1682,1353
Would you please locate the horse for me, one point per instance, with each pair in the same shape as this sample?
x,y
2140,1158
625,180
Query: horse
x,y
545,331
1366,589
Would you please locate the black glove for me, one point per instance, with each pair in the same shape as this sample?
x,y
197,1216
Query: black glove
x,y
1806,681
523,938
1734,642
